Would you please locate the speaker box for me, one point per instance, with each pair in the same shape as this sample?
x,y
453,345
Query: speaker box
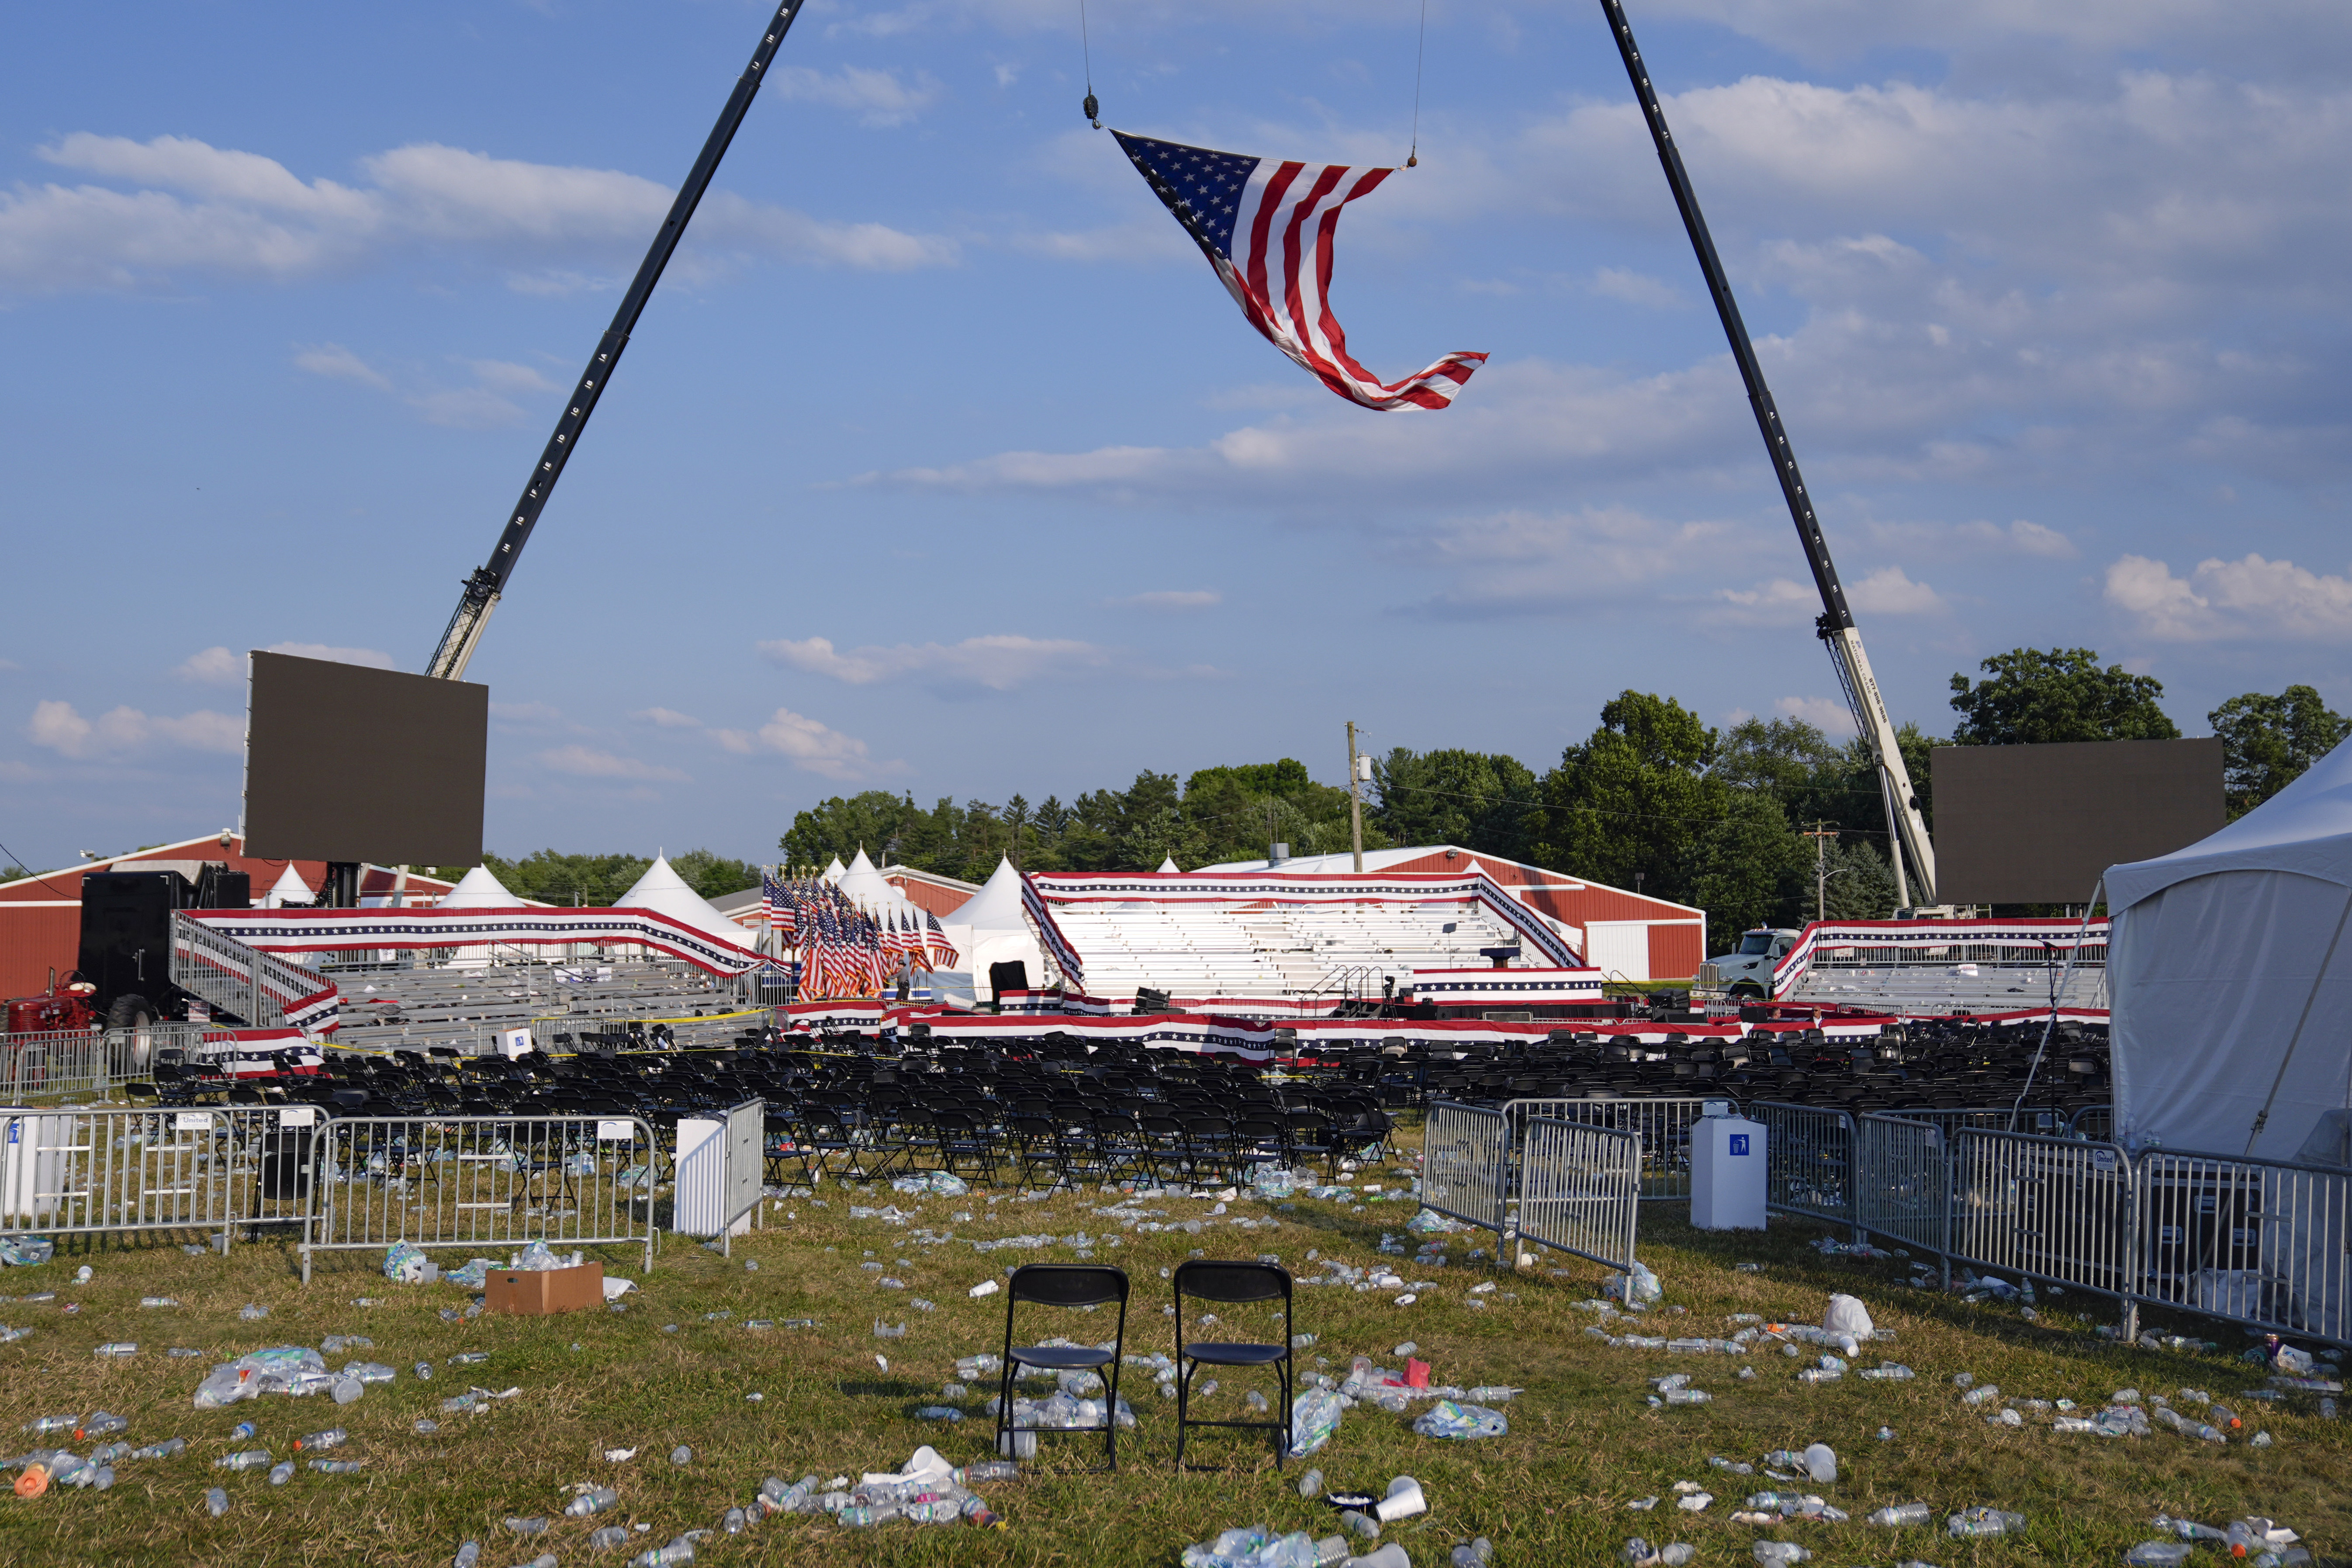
x,y
1012,976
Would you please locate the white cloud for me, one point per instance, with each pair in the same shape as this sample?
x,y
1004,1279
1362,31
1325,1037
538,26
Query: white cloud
x,y
665,719
339,363
2248,599
592,762
1000,663
812,746
1635,289
876,98
1779,602
1827,714
196,209
61,728
212,667
2025,537
1539,561
1889,591
1174,599
374,659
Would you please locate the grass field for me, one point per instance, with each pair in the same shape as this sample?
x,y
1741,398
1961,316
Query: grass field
x,y
1583,1440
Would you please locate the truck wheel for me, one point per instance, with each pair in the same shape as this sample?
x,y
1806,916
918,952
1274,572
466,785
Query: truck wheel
x,y
136,1016
1748,990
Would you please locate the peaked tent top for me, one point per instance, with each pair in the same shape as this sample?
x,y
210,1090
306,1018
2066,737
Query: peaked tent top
x,y
997,905
2305,829
834,872
478,890
1169,864
290,888
664,891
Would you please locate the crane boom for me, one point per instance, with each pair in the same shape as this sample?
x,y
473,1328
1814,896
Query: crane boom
x,y
488,582
1835,626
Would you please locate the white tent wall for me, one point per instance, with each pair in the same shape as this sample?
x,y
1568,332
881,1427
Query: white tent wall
x,y
2221,1012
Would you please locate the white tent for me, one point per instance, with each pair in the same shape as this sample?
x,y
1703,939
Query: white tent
x,y
478,890
1168,864
2231,976
289,891
991,926
833,872
865,886
664,891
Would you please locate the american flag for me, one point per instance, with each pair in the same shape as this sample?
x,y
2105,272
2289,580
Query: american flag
x,y
937,940
1267,227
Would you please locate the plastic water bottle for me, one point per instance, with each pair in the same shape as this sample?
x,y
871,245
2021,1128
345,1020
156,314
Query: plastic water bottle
x,y
1310,1485
1769,1552
216,1500
47,1424
468,1554
424,1371
536,1525
338,1466
332,1437
169,1449
1903,1513
1983,1522
2159,1554
240,1432
681,1455
735,1522
609,1537
101,1425
282,1473
596,1499
1479,1553
250,1460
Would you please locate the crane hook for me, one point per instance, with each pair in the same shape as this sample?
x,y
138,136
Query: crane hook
x,y
1092,109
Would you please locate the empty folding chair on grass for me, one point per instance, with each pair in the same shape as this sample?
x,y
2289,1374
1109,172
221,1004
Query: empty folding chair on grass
x,y
1064,1285
1232,1284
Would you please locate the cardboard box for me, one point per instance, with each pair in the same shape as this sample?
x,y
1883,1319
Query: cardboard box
x,y
535,1292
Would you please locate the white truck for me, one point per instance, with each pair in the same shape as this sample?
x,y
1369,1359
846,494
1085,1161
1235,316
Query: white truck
x,y
1747,972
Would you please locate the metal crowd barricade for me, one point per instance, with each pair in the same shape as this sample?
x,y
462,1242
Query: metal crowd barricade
x,y
1809,1156
488,1182
2044,1120
1579,1190
1465,1163
2259,1242
85,1170
1902,1181
722,1159
2054,1208
1664,1123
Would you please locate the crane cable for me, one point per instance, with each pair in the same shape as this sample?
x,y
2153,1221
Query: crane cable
x,y
1092,108
1420,50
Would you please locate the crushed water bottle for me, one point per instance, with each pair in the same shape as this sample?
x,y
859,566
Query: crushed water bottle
x,y
1479,1553
250,1460
1770,1552
468,1554
2159,1554
609,1537
1983,1522
596,1499
681,1455
216,1500
282,1473
338,1466
1903,1513
169,1449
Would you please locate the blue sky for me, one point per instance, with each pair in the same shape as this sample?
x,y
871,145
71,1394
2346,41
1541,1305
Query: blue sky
x,y
940,461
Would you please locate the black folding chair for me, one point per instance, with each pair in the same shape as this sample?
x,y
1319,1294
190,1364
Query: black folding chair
x,y
1233,1284
1064,1285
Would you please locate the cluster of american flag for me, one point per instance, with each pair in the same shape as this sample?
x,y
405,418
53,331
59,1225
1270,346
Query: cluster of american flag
x,y
844,951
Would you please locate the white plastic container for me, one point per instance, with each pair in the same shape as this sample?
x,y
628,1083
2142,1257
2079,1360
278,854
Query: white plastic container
x,y
1727,1174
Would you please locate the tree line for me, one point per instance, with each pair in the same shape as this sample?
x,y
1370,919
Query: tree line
x,y
1654,798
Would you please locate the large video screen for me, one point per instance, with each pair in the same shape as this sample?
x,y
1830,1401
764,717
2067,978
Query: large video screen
x,y
2038,824
344,763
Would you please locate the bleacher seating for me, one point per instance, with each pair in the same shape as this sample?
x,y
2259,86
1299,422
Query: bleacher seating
x,y
419,1005
1943,988
1189,948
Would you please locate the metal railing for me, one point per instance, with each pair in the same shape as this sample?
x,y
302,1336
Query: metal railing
x,y
2053,1208
1901,1187
720,1161
1663,1124
1465,1163
1579,1190
261,988
1808,1158
2260,1242
115,1169
480,1182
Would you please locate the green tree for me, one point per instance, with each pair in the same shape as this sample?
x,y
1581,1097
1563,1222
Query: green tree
x,y
2034,698
1482,802
713,875
554,878
1749,868
2268,741
1634,798
844,825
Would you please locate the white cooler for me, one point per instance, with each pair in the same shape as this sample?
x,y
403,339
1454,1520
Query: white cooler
x,y
1727,1174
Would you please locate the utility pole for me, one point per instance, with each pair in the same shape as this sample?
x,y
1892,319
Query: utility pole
x,y
1821,835
1357,769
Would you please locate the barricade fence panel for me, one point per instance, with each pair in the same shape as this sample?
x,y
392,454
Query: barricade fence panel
x,y
1465,1163
2055,1208
1901,1181
486,1181
1663,1125
1580,1190
2257,1242
89,1170
1808,1160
